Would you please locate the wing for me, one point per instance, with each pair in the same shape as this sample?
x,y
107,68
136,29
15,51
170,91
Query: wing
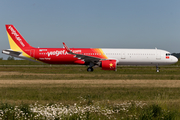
x,y
87,58
83,57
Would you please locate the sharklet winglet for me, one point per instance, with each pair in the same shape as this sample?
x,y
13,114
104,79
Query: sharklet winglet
x,y
66,47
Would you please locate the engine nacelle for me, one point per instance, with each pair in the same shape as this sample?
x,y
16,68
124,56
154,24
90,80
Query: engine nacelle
x,y
108,64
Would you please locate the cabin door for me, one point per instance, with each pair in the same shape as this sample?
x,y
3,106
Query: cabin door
x,y
32,53
158,55
123,55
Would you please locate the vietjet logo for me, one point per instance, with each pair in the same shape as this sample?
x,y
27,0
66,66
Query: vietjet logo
x,y
61,52
13,32
56,53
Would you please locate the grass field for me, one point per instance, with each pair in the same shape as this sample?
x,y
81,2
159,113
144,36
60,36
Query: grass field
x,y
137,89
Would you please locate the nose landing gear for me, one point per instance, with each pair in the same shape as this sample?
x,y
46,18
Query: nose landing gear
x,y
157,68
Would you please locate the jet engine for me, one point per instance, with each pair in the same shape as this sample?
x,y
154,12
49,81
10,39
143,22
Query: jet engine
x,y
108,64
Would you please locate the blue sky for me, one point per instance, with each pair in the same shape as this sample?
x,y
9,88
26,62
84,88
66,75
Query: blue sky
x,y
93,23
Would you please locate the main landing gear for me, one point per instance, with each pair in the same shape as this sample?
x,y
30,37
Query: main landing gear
x,y
90,69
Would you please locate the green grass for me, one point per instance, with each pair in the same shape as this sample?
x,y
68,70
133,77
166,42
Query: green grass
x,y
68,93
24,83
79,72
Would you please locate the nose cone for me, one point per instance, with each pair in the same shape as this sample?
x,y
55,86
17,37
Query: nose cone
x,y
174,59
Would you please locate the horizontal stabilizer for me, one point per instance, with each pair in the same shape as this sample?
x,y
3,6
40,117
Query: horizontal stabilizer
x,y
11,52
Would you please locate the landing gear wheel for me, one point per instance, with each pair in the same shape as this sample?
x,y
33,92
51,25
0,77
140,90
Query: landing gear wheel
x,y
157,69
89,69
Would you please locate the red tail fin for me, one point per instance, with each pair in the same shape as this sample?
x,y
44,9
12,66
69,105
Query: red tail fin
x,y
15,38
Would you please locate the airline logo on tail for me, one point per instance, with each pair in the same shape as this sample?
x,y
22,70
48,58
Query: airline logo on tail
x,y
17,42
18,45
13,32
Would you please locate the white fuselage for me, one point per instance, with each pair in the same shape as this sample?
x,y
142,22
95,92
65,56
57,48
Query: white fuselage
x,y
140,56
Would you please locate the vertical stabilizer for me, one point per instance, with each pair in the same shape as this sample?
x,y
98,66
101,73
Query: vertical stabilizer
x,y
18,45
16,41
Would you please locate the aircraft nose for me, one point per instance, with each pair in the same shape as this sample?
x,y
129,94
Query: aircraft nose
x,y
174,59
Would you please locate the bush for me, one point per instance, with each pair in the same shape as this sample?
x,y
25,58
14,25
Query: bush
x,y
155,112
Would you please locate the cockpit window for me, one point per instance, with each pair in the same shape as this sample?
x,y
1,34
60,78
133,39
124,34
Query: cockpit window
x,y
168,54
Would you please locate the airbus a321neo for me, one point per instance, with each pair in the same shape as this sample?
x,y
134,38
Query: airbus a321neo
x,y
108,59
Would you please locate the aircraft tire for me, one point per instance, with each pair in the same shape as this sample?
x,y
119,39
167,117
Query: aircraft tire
x,y
89,69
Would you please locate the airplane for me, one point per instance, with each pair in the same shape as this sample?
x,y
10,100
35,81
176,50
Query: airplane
x,y
106,58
